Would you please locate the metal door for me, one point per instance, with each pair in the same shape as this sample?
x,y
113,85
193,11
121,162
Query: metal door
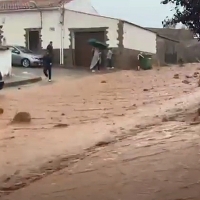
x,y
83,51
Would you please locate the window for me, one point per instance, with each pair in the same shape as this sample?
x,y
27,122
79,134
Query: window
x,y
24,49
13,49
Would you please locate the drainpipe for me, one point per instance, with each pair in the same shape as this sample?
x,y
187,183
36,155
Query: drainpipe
x,y
61,45
62,12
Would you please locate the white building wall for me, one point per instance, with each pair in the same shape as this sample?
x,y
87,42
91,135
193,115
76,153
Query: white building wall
x,y
14,25
5,62
139,39
82,6
51,29
82,20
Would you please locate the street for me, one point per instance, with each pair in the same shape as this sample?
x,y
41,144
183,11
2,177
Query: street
x,y
57,73
153,165
122,135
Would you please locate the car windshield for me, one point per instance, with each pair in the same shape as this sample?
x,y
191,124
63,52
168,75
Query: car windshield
x,y
24,49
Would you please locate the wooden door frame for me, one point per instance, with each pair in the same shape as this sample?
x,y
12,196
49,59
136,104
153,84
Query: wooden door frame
x,y
1,34
26,35
73,31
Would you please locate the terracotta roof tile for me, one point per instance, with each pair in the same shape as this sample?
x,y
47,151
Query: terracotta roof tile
x,y
26,4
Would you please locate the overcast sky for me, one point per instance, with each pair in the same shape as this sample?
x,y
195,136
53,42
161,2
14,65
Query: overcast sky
x,y
148,13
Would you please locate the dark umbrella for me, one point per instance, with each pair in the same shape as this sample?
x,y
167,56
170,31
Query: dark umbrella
x,y
97,44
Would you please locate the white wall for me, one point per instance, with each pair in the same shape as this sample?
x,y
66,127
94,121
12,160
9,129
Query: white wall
x,y
81,20
51,19
5,62
15,23
82,6
139,39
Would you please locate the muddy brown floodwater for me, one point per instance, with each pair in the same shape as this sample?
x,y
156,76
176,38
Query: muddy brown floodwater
x,y
112,128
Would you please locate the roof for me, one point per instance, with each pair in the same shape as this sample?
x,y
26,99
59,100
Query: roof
x,y
11,5
175,35
133,24
167,38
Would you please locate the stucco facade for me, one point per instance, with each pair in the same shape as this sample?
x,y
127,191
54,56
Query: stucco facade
x,y
133,39
139,39
5,62
15,23
60,27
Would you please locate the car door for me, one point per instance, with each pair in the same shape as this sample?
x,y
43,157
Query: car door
x,y
16,57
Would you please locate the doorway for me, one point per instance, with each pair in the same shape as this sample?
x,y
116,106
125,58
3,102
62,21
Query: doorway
x,y
33,40
83,51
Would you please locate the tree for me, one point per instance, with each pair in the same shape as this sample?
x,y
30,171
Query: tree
x,y
183,27
187,12
172,26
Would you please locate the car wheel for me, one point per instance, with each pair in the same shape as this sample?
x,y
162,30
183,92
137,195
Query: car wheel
x,y
26,63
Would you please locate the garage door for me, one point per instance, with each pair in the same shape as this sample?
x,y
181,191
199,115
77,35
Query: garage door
x,y
83,51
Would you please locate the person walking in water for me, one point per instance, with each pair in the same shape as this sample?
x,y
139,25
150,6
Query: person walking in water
x,y
96,60
47,62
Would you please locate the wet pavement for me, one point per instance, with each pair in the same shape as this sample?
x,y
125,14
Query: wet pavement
x,y
57,73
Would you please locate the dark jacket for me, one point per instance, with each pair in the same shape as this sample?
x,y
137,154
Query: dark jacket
x,y
50,50
47,60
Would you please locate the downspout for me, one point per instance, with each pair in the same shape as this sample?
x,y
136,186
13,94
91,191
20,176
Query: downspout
x,y
62,35
61,44
41,24
61,47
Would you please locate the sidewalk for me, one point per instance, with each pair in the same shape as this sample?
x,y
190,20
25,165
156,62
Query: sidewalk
x,y
21,80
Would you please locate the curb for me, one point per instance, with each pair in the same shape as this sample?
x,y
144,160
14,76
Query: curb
x,y
22,82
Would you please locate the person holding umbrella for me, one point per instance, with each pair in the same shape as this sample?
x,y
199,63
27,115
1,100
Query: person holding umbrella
x,y
96,60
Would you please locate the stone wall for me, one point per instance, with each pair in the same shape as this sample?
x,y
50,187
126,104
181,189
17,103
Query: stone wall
x,y
125,58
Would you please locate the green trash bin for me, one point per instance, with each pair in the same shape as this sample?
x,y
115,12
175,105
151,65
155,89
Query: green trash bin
x,y
146,61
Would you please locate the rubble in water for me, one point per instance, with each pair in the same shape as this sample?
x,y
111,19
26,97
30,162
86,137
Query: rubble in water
x,y
22,117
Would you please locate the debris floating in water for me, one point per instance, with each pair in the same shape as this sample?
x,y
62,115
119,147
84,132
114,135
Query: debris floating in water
x,y
22,117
